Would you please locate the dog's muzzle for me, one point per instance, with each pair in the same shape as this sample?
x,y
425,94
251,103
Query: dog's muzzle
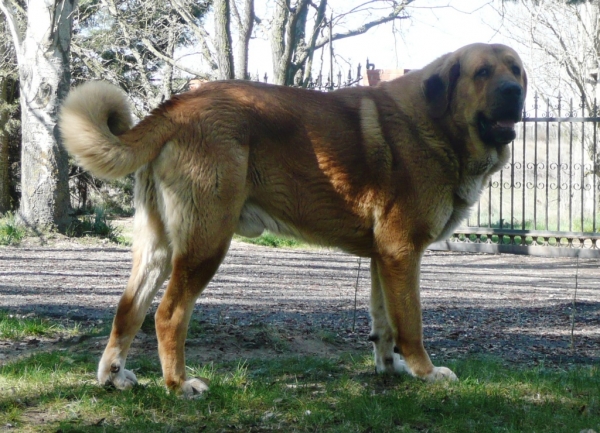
x,y
498,126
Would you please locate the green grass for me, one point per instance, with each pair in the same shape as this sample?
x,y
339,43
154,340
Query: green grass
x,y
15,327
57,392
269,239
576,226
11,233
97,225
90,225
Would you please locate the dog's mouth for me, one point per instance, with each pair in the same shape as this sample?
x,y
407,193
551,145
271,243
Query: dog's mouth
x,y
499,131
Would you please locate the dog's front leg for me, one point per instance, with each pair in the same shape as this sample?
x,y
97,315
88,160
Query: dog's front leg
x,y
398,275
382,336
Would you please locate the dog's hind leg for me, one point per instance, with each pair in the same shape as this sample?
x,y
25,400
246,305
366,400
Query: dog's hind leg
x,y
151,266
191,274
382,336
202,212
193,268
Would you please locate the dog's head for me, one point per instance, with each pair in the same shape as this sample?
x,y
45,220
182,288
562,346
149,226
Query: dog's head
x,y
481,87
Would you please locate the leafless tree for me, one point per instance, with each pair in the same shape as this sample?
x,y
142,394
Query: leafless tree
x,y
297,28
244,20
41,36
297,31
561,40
223,45
8,81
134,43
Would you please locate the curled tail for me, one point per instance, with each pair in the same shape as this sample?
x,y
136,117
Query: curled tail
x,y
96,127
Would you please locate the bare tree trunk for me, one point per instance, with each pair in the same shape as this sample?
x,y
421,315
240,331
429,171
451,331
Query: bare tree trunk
x,y
223,43
319,22
295,70
4,161
44,74
280,19
289,46
292,46
245,22
167,84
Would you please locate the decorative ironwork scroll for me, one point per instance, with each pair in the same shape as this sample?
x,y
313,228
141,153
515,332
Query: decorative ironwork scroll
x,y
545,200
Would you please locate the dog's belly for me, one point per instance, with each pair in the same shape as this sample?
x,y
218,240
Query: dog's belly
x,y
348,234
254,220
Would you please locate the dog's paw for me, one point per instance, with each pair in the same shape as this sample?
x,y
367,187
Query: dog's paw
x,y
122,379
400,366
125,381
393,364
193,388
439,374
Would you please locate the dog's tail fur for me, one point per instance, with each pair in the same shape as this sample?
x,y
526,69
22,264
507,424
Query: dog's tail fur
x,y
96,127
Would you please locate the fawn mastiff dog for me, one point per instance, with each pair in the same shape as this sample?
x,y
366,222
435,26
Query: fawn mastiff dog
x,y
379,172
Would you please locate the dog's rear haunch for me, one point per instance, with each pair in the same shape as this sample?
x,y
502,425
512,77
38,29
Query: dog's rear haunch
x,y
379,172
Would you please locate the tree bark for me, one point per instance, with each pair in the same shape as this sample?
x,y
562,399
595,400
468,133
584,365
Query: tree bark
x,y
4,160
280,19
223,43
285,39
44,75
167,70
319,22
245,23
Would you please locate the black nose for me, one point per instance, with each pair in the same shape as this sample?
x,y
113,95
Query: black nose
x,y
510,89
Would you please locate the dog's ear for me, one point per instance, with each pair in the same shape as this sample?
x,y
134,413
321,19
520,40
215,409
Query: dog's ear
x,y
439,84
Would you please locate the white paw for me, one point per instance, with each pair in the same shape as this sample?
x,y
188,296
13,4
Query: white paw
x,y
123,379
193,388
439,374
390,365
400,366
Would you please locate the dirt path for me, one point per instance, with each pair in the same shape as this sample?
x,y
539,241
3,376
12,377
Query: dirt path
x,y
267,302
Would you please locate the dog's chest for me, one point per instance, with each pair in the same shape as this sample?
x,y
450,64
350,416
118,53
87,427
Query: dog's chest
x,y
468,191
465,196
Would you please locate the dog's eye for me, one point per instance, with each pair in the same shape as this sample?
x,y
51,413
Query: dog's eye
x,y
483,72
516,70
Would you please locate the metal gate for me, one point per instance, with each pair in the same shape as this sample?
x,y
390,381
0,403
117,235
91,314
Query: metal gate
x,y
545,200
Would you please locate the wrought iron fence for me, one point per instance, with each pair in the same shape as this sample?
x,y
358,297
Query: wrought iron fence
x,y
545,200
326,84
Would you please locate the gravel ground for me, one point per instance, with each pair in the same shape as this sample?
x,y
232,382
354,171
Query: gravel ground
x,y
271,302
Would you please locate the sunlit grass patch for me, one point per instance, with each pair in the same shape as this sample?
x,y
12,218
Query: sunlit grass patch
x,y
11,233
268,239
97,224
15,326
299,394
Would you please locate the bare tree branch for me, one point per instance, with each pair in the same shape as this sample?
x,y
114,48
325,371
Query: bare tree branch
x,y
198,31
319,22
562,43
11,20
394,15
167,59
134,52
